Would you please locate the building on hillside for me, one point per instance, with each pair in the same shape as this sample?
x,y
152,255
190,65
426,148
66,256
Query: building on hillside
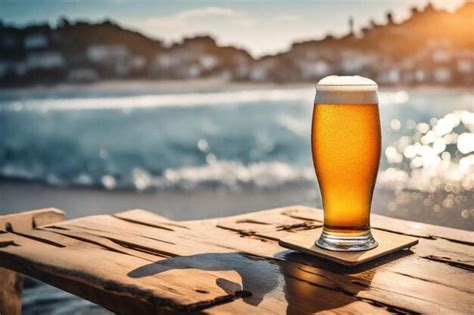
x,y
111,58
208,62
35,41
45,60
103,54
262,69
355,62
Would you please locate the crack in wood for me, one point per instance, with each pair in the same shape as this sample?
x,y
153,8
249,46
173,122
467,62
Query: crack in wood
x,y
428,237
143,223
85,229
56,227
7,243
432,281
252,222
155,252
449,261
307,225
337,287
41,270
110,248
353,285
129,245
249,233
340,289
206,304
38,239
289,214
388,307
355,281
155,239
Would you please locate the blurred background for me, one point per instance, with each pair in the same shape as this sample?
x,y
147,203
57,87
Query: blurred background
x,y
203,109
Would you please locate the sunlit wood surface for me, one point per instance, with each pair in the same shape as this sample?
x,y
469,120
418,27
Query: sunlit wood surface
x,y
139,262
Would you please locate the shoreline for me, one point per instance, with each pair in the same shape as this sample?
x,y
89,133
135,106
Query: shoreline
x,y
209,202
174,204
196,85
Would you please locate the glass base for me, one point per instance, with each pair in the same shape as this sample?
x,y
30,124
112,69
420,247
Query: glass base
x,y
351,243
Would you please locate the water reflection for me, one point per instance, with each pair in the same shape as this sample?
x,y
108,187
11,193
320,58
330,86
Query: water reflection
x,y
434,164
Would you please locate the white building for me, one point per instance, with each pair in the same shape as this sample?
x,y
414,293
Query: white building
x,y
165,61
36,41
420,75
261,71
106,54
355,61
442,74
138,62
44,60
208,62
441,56
465,65
242,67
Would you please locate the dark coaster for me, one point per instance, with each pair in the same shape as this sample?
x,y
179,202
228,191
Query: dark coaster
x,y
388,243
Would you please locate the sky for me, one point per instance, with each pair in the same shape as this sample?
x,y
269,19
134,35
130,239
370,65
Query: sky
x,y
261,27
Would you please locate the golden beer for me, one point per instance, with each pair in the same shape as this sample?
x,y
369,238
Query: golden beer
x,y
346,140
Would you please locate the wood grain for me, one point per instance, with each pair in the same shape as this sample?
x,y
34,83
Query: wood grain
x,y
11,287
136,261
11,283
411,228
28,220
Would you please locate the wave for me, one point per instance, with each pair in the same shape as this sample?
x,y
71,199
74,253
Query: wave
x,y
449,176
301,95
227,174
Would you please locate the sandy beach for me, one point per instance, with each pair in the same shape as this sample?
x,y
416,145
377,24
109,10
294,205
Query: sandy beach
x,y
174,204
201,202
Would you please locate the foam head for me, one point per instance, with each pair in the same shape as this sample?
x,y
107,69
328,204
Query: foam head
x,y
346,90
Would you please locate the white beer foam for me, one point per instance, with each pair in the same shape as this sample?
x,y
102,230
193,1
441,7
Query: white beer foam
x,y
346,90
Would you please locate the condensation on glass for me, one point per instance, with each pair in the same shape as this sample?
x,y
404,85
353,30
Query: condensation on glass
x,y
346,140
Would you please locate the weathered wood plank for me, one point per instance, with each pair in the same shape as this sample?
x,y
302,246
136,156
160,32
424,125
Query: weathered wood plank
x,y
152,262
26,221
148,218
201,233
254,274
11,287
122,275
11,283
454,253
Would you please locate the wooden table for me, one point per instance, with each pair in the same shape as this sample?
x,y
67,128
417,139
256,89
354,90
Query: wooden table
x,y
141,263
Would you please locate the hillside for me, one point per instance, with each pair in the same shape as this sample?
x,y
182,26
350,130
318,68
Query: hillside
x,y
431,47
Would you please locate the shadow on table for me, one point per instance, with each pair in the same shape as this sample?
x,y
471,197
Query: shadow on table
x,y
306,289
258,275
316,289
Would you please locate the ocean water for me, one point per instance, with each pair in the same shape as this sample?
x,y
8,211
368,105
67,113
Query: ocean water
x,y
153,139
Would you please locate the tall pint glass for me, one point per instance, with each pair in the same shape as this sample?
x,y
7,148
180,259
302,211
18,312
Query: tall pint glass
x,y
346,140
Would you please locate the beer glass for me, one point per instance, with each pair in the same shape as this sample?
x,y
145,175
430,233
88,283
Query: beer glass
x,y
345,142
